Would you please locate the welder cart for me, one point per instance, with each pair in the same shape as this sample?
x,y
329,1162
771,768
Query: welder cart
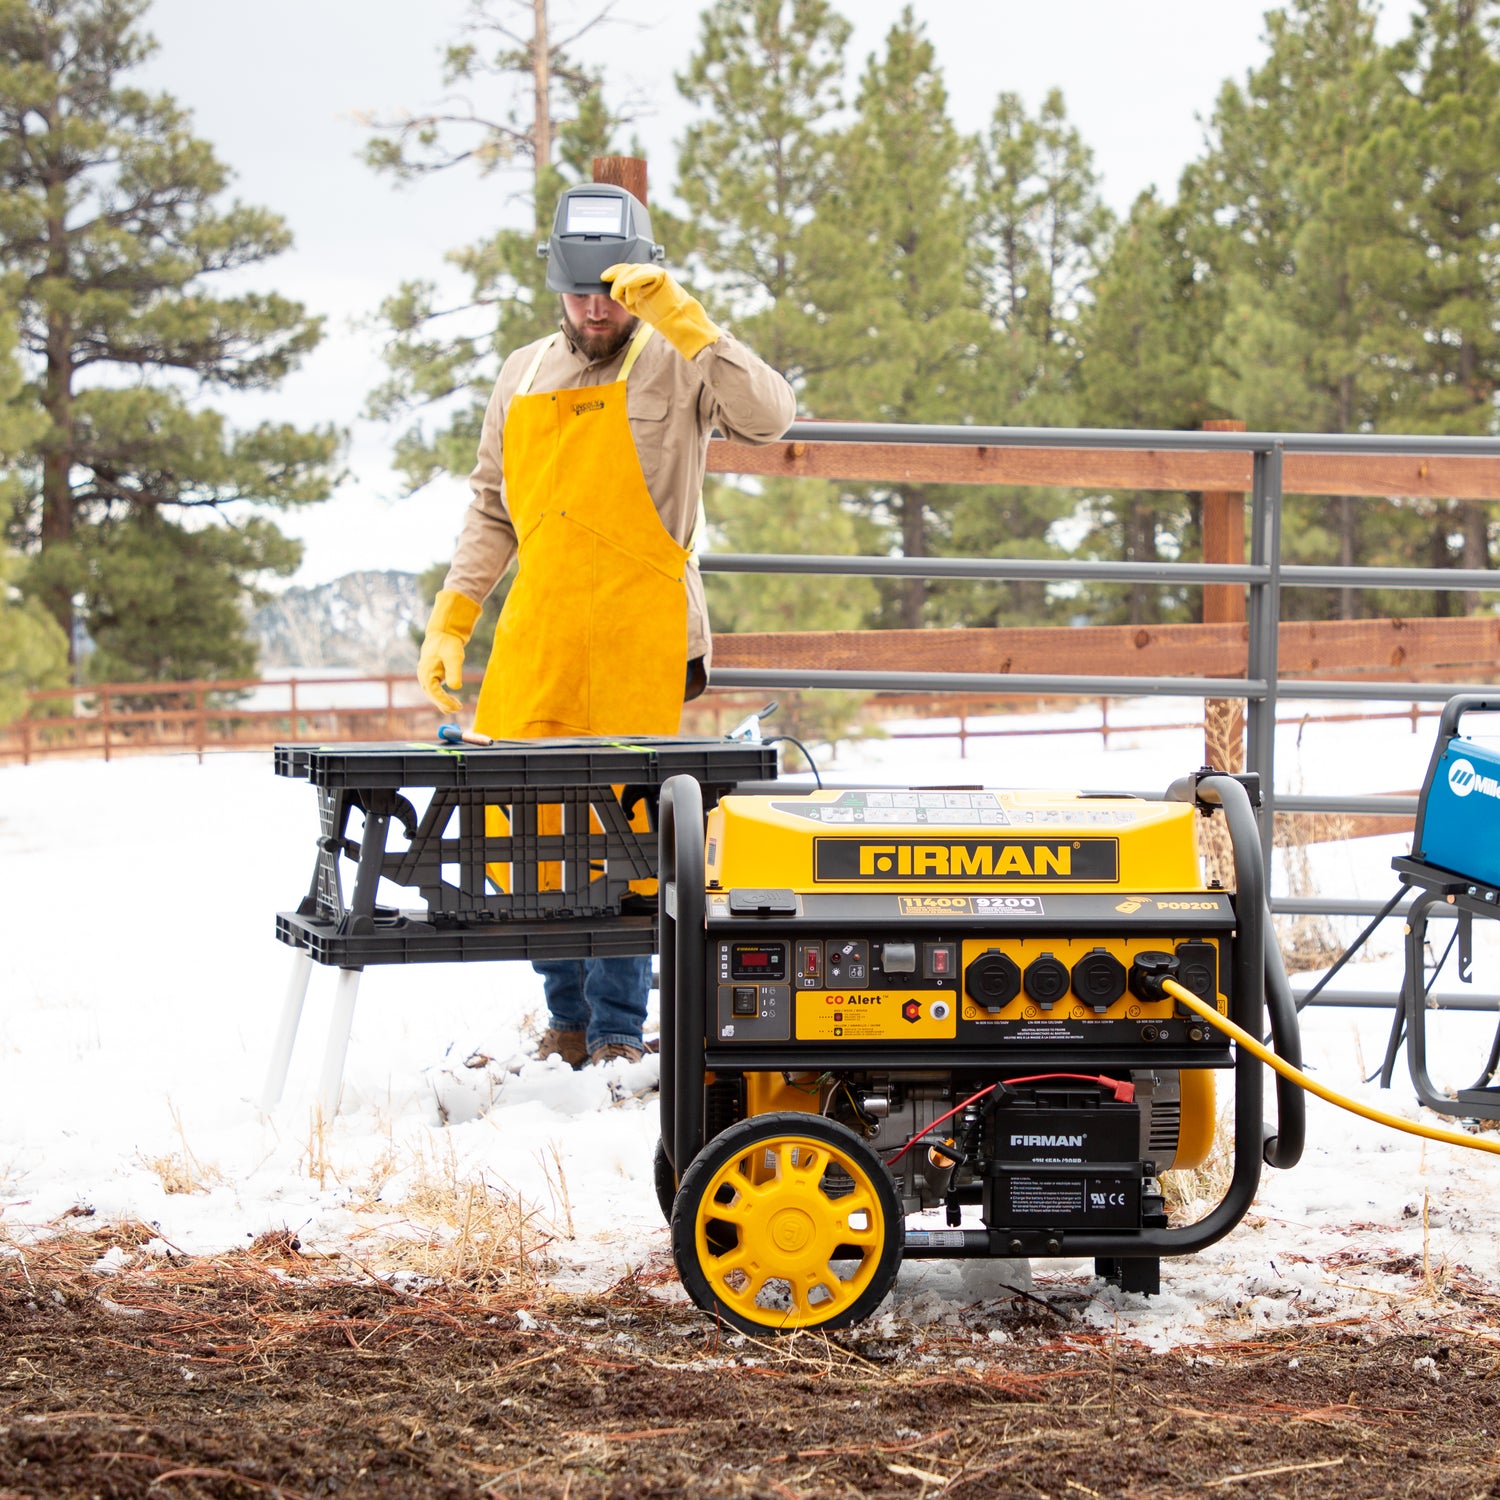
x,y
1454,863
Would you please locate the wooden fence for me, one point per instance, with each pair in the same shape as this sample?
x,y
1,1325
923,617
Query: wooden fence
x,y
115,719
109,720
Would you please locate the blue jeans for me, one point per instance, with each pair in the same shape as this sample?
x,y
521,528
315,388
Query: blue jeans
x,y
605,998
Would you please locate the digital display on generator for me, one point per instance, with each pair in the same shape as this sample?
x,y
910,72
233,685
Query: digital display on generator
x,y
757,960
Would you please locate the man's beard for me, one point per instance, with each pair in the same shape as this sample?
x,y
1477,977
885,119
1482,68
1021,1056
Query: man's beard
x,y
604,344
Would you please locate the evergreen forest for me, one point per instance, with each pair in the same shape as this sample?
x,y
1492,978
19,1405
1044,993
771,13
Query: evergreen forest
x,y
1330,262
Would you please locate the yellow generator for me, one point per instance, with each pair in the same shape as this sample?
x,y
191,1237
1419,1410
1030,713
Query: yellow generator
x,y
931,1023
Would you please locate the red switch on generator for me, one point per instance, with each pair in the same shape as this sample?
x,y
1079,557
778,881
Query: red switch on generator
x,y
809,965
939,960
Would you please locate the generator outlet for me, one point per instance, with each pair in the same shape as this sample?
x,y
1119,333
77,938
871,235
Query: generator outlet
x,y
993,980
1046,980
1099,979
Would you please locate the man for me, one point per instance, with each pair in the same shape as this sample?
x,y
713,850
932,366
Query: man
x,y
590,473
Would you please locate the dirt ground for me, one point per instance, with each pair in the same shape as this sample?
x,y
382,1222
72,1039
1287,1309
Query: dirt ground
x,y
267,1374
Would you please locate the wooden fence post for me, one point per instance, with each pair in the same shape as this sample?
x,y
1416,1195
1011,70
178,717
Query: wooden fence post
x,y
1223,604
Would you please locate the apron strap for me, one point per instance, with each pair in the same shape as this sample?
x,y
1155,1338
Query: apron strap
x,y
535,365
643,334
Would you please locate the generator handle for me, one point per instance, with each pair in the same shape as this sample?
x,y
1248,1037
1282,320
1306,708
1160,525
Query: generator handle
x,y
680,926
1281,1147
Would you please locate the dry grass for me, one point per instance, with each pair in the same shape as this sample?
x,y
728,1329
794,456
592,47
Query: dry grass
x,y
1307,942
319,1168
1192,1191
445,1221
182,1171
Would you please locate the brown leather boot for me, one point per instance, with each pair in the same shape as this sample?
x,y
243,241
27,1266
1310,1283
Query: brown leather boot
x,y
571,1046
611,1050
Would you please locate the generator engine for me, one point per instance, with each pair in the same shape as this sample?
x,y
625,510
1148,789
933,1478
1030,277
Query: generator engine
x,y
930,1023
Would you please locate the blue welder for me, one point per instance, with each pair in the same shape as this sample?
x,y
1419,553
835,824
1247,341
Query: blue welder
x,y
1458,812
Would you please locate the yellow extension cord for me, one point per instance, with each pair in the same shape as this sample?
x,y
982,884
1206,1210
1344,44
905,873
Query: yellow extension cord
x,y
1379,1116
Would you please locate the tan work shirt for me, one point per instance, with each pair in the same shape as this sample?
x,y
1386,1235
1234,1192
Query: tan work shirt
x,y
672,405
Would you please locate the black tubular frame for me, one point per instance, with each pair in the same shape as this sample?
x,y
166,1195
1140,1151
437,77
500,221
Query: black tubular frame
x,y
681,924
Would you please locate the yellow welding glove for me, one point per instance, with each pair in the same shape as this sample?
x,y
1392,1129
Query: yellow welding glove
x,y
449,627
650,294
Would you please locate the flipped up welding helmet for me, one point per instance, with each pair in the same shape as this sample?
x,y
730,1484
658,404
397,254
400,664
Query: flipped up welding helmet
x,y
597,225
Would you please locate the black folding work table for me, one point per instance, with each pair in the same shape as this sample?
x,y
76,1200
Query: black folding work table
x,y
563,845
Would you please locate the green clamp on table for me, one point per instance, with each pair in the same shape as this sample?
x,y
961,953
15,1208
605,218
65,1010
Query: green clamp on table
x,y
552,880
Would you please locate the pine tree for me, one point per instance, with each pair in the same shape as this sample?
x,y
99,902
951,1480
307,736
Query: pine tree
x,y
550,120
753,169
893,246
1040,228
1145,340
1294,212
1043,228
1447,352
110,224
758,163
33,648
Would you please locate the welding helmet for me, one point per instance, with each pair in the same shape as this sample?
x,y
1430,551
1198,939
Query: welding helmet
x,y
597,225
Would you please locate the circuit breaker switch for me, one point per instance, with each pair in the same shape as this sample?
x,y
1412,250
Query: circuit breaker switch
x,y
899,958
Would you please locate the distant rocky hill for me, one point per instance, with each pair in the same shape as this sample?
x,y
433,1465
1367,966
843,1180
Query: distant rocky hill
x,y
362,620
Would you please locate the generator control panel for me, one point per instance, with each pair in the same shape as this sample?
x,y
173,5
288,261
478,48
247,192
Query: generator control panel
x,y
972,923
1008,990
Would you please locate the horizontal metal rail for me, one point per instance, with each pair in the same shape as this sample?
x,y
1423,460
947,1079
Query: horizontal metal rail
x,y
1380,1000
1390,806
998,569
1323,906
1140,438
1039,685
1049,570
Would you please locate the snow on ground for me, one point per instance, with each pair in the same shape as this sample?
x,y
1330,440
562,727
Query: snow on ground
x,y
142,983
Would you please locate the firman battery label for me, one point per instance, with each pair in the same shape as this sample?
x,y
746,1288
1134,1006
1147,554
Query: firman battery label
x,y
1088,859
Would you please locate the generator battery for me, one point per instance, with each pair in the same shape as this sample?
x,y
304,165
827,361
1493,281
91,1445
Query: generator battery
x,y
1458,811
1064,1127
1096,1197
1065,1160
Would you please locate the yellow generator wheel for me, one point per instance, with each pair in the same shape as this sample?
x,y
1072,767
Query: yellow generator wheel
x,y
785,1221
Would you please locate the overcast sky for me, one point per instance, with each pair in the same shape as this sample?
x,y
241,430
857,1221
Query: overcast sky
x,y
277,86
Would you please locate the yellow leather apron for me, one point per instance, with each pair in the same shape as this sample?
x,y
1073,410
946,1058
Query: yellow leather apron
x,y
592,639
593,636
